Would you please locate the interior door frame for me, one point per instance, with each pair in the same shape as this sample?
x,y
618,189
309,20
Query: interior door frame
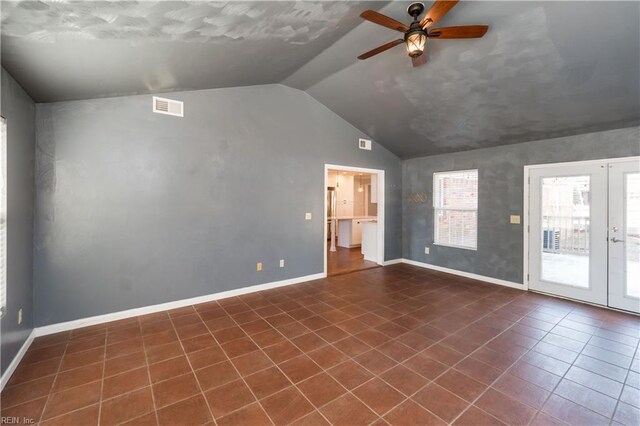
x,y
381,204
527,207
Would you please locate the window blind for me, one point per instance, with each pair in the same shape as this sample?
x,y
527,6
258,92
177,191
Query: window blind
x,y
3,216
455,203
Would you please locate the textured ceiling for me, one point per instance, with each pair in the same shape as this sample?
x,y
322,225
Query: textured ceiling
x,y
544,69
63,50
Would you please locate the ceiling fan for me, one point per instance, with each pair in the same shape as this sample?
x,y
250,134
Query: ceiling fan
x,y
417,33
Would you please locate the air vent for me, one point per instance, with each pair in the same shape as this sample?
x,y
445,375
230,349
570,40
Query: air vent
x,y
364,144
168,106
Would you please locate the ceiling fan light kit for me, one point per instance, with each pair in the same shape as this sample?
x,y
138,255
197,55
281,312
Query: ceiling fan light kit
x,y
417,33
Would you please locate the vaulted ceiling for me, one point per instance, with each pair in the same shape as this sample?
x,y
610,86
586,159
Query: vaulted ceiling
x,y
544,69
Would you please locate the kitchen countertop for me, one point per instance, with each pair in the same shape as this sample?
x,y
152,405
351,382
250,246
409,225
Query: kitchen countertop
x,y
352,217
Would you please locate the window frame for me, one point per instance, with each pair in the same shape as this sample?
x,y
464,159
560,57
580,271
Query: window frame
x,y
437,209
3,212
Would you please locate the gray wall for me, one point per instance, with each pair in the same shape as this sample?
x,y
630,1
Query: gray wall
x,y
136,208
19,110
500,190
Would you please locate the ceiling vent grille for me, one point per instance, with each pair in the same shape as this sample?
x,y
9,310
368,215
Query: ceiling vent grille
x,y
364,144
168,106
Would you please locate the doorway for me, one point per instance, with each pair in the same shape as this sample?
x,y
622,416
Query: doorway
x,y
584,231
354,219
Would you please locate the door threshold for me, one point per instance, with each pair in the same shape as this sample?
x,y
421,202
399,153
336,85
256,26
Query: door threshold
x,y
350,271
582,302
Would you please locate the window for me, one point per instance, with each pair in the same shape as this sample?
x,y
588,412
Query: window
x,y
3,216
455,204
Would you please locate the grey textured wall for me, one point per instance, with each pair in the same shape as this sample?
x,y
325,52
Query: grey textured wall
x,y
19,110
500,190
136,208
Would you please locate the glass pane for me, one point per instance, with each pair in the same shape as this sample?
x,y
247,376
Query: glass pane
x,y
565,230
632,237
457,228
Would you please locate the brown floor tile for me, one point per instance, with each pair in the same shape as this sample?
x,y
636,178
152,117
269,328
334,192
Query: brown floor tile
x,y
250,415
321,389
572,413
163,352
170,368
425,366
267,382
328,356
409,413
321,334
443,354
85,416
521,390
282,351
125,382
204,341
378,396
124,363
441,402
404,379
206,357
80,359
228,398
216,375
627,414
474,416
252,362
192,411
24,392
375,361
72,399
31,410
461,385
286,406
309,342
175,389
591,399
478,370
299,368
313,419
79,376
350,374
505,408
349,411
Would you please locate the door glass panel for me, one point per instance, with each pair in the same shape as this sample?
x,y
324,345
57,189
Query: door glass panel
x,y
632,234
565,230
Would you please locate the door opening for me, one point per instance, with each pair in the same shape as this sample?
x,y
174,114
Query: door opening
x,y
354,219
584,231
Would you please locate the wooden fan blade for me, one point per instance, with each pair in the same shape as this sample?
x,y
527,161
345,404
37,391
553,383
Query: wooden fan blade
x,y
466,31
381,49
385,21
436,12
419,60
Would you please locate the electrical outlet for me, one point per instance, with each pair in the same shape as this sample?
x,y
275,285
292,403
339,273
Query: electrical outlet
x,y
515,219
426,250
259,266
307,216
19,316
282,263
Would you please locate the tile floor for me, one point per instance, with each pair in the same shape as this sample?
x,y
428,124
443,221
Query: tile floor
x,y
397,345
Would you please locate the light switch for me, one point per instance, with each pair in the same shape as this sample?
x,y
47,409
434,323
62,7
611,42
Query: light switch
x,y
259,266
515,219
307,216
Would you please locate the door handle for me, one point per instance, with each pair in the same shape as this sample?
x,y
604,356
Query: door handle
x,y
615,240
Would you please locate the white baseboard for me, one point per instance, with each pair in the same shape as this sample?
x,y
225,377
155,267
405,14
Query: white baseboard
x,y
16,360
392,262
466,274
100,319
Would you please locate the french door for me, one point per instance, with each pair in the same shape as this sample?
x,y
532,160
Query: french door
x,y
584,232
